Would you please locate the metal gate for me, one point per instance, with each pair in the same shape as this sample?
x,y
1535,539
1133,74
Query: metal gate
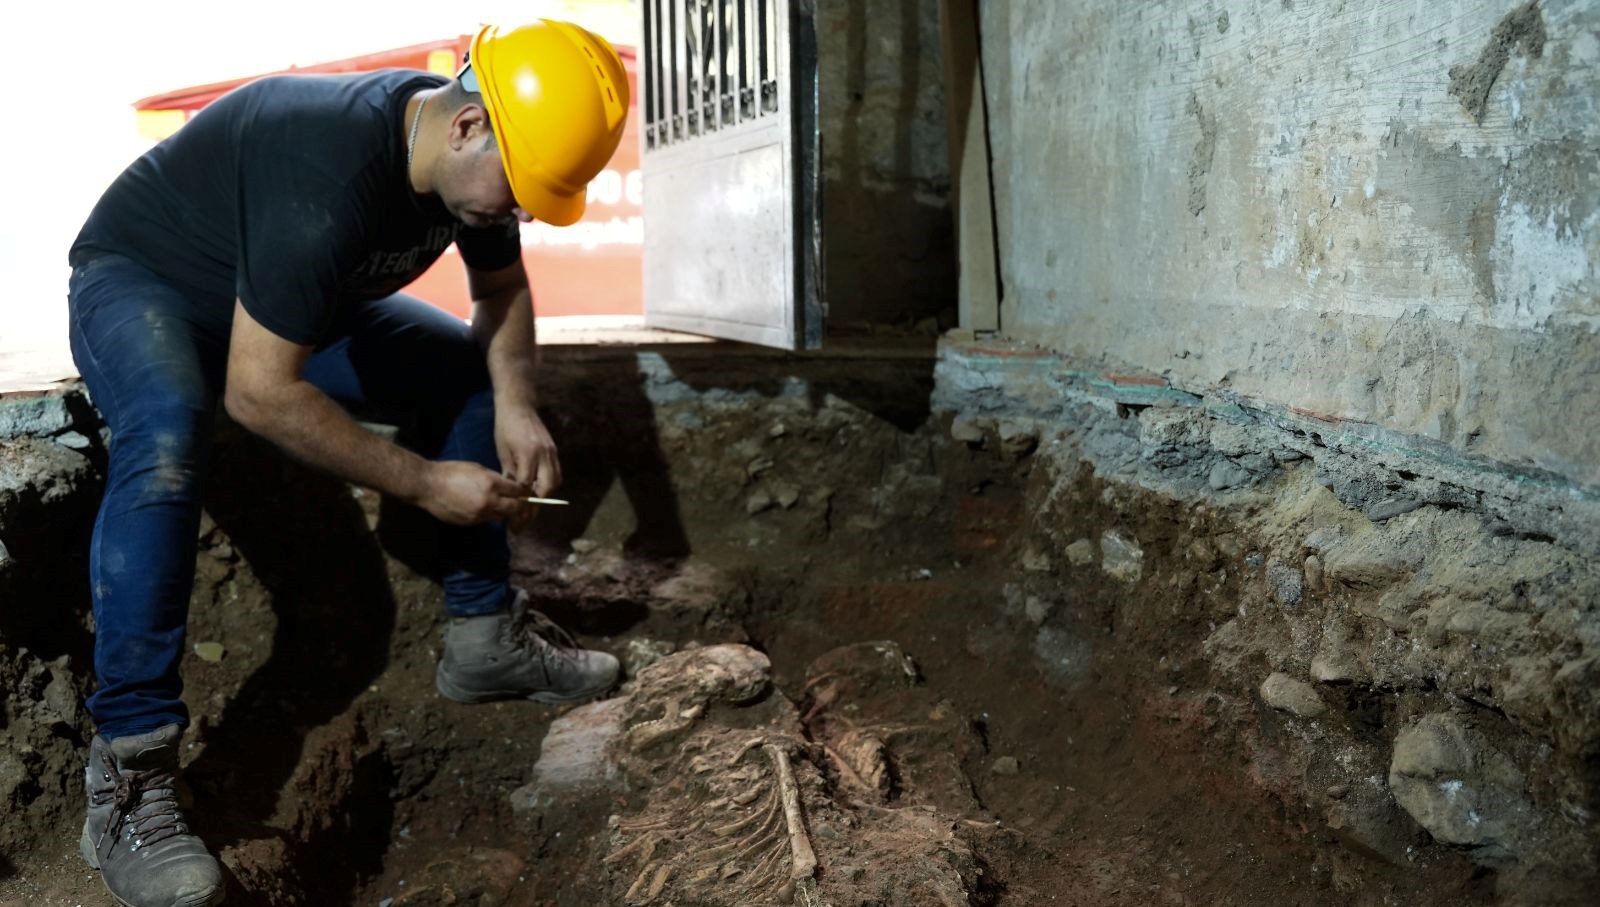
x,y
732,243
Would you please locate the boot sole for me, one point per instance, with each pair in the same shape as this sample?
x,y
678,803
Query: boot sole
x,y
87,851
455,693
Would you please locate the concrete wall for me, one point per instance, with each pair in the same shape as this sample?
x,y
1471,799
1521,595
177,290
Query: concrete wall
x,y
886,217
1378,212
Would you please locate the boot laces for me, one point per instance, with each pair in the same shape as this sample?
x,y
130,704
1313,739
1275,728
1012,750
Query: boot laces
x,y
144,805
537,633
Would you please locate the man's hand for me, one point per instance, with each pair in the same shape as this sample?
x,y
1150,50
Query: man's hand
x,y
527,452
465,494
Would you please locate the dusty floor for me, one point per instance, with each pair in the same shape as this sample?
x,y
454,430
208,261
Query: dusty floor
x,y
1109,767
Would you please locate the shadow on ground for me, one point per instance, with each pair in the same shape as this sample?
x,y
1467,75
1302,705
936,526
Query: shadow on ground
x,y
307,541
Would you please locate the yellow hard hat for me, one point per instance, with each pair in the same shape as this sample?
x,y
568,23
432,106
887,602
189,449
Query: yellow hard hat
x,y
558,99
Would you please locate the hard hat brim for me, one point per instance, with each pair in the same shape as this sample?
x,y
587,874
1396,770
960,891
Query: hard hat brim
x,y
557,210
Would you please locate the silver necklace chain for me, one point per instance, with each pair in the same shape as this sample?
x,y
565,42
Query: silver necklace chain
x,y
411,143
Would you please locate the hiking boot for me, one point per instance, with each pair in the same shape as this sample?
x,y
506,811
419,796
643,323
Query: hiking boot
x,y
135,833
519,653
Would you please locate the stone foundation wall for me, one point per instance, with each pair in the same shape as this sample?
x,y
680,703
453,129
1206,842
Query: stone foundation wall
x,y
51,459
1407,644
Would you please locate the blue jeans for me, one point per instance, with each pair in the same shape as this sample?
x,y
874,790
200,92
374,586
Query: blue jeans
x,y
154,360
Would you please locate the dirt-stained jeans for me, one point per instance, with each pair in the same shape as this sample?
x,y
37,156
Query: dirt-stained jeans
x,y
154,360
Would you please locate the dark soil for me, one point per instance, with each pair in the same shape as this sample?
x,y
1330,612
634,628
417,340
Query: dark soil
x,y
326,770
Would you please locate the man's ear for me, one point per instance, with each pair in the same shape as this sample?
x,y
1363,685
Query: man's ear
x,y
469,125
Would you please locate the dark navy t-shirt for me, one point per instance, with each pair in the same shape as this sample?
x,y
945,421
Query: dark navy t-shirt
x,y
289,193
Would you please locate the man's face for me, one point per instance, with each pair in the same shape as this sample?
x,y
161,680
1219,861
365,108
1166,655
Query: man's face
x,y
472,183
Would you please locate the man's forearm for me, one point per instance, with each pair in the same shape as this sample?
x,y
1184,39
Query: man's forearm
x,y
504,327
312,428
502,320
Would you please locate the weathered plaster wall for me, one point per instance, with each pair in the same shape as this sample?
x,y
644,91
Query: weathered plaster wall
x,y
1378,212
886,172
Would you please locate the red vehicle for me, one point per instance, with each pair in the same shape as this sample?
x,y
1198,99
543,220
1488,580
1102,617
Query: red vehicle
x,y
589,268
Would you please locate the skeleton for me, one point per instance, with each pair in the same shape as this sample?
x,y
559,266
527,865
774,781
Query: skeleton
x,y
722,674
757,820
729,803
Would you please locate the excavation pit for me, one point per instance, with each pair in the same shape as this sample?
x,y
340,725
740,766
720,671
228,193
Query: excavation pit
x,y
996,668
